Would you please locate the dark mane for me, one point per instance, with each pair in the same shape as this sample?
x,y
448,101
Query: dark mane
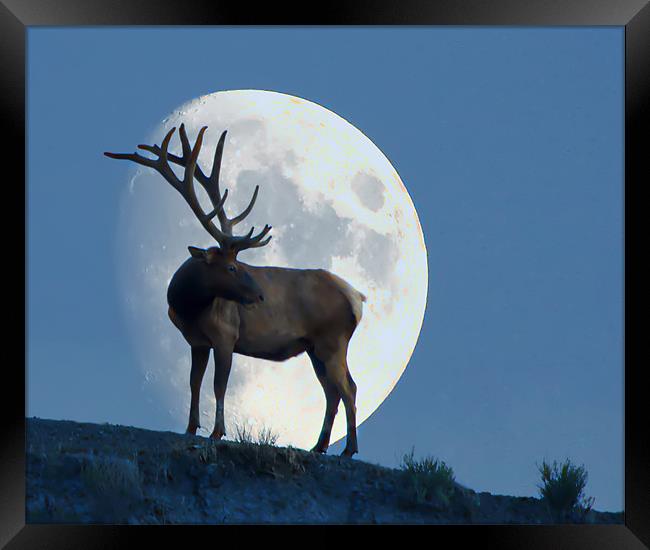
x,y
189,290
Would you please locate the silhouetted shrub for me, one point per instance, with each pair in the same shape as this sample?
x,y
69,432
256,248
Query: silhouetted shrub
x,y
562,489
426,481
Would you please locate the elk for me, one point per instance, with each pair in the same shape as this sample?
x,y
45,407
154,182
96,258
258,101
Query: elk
x,y
221,304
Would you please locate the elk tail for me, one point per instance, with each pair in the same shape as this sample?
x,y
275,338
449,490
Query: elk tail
x,y
355,298
356,301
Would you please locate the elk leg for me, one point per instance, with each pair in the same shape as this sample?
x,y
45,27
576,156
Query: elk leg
x,y
332,398
200,356
348,390
222,364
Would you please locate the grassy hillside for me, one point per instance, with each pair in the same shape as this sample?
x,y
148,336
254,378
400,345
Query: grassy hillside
x,y
90,473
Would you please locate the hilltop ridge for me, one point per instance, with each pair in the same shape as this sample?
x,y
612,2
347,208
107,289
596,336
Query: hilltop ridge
x,y
101,473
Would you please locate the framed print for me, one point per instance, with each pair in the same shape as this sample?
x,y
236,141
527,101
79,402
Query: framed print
x,y
361,267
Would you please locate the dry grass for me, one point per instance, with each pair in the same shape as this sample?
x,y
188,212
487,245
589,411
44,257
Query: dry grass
x,y
244,433
264,435
112,476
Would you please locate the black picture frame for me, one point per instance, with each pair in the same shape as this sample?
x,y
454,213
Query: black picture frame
x,y
17,15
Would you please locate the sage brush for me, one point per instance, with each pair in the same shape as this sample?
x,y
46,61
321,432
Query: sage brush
x,y
562,489
427,481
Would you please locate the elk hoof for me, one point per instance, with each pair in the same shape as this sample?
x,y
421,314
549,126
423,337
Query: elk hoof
x,y
318,449
348,453
216,435
191,430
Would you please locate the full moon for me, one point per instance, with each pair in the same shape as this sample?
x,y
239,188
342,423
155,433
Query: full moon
x,y
334,201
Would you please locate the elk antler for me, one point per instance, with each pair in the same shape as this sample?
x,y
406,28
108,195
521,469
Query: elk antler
x,y
225,238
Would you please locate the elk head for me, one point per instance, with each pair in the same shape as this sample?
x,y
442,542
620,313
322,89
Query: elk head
x,y
220,275
220,262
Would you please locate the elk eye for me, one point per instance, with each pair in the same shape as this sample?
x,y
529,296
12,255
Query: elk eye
x,y
232,268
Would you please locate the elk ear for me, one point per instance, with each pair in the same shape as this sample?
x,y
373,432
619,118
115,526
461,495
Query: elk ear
x,y
197,252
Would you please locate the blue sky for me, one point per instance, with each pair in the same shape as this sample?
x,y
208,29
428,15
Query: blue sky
x,y
510,142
